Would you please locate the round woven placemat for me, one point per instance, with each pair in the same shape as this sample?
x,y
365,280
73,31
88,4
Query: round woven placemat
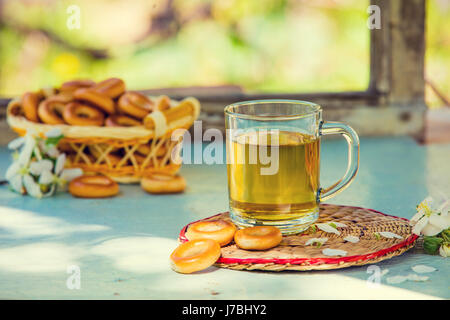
x,y
292,254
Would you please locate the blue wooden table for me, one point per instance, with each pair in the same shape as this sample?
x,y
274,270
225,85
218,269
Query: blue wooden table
x,y
119,247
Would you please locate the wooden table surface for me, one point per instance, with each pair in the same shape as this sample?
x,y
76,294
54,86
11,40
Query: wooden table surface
x,y
121,245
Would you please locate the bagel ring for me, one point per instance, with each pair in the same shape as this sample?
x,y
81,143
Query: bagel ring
x,y
135,104
30,104
162,103
78,114
71,86
112,87
119,120
258,238
160,183
97,186
65,146
51,111
145,149
220,230
63,97
195,255
15,107
48,92
98,99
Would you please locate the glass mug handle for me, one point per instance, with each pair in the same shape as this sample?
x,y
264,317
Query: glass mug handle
x,y
350,135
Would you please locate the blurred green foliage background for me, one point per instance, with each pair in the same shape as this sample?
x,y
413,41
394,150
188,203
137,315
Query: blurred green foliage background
x,y
260,45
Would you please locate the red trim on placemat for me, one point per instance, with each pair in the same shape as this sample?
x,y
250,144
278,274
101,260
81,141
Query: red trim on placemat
x,y
313,261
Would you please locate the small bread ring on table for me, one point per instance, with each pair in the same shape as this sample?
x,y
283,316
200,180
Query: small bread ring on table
x,y
97,186
78,114
51,111
195,255
258,238
112,87
160,183
71,86
30,104
98,99
120,120
135,104
220,230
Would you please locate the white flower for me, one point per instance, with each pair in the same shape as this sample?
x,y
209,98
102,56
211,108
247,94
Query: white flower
x,y
14,175
33,189
53,133
423,269
46,177
16,143
431,217
339,224
316,240
38,167
415,277
389,235
444,250
49,149
52,151
43,169
352,239
334,252
21,181
68,175
396,279
410,277
13,170
27,150
65,175
436,223
327,228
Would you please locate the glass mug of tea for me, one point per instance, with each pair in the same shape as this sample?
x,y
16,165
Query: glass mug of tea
x,y
273,162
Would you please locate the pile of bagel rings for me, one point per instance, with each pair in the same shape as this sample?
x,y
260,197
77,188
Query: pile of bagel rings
x,y
107,103
207,237
87,103
100,186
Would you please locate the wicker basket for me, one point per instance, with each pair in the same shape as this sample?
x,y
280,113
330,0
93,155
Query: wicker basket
x,y
113,151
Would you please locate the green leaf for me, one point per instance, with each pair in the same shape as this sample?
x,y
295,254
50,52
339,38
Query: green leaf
x,y
333,225
313,228
53,140
431,244
377,236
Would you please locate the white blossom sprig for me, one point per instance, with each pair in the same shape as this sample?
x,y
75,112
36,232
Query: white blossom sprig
x,y
432,220
432,217
38,166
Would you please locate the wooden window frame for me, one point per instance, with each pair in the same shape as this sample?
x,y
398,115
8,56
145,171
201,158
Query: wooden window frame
x,y
394,102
